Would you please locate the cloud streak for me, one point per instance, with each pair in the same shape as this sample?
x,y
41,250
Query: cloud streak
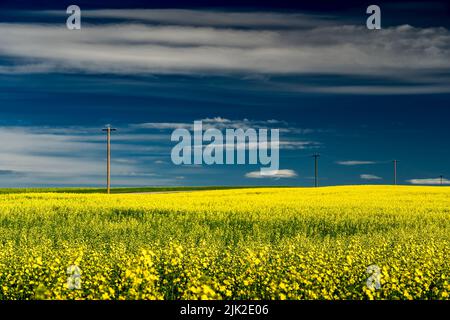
x,y
367,176
76,155
354,162
274,174
226,19
287,143
207,42
429,181
72,156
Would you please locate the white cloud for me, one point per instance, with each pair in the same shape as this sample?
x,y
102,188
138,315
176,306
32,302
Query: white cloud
x,y
199,42
284,173
354,162
423,88
287,145
222,124
163,125
75,155
429,181
370,177
43,155
210,18
33,150
216,122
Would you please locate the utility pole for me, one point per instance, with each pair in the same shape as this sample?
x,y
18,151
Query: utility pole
x,y
442,179
395,172
316,169
108,130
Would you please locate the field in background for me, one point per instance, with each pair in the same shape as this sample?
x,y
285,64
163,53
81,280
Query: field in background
x,y
262,243
119,189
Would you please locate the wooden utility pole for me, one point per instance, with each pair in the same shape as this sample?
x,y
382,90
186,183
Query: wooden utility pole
x,y
442,179
108,130
316,169
395,172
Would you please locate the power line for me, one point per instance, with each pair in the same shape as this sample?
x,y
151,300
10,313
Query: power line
x,y
108,130
395,171
316,169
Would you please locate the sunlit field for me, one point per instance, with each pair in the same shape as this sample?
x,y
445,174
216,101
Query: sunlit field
x,y
288,243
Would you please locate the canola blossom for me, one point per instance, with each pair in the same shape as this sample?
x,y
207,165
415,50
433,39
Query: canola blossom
x,y
355,242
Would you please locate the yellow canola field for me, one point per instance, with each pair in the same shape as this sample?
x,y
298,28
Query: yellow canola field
x,y
355,242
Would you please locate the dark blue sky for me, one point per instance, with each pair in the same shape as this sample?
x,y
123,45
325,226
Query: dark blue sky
x,y
357,97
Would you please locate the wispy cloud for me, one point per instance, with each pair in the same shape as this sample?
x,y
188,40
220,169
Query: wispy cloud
x,y
207,42
131,48
277,174
76,155
420,87
225,19
163,125
354,162
214,18
429,181
216,122
289,141
367,176
31,150
41,155
10,172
